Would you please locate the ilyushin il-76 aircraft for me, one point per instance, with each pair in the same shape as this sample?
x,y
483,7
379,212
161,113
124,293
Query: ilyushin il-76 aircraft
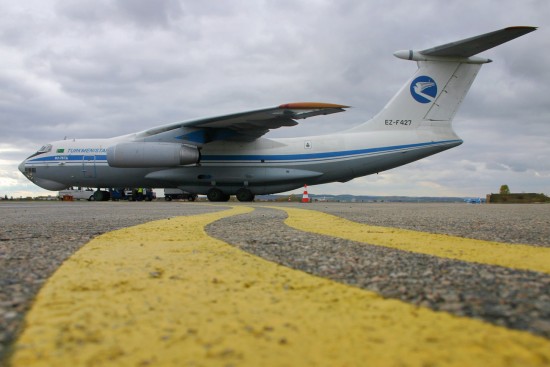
x,y
227,155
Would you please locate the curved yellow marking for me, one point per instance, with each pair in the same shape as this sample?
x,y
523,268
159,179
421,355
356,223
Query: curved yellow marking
x,y
165,293
517,256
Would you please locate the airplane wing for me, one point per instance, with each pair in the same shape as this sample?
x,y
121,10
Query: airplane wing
x,y
474,45
248,125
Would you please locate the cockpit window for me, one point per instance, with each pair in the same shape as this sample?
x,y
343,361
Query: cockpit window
x,y
45,149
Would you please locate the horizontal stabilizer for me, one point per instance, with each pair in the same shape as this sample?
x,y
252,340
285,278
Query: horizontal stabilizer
x,y
474,45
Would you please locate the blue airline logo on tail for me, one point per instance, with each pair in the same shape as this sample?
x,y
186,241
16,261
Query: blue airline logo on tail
x,y
424,89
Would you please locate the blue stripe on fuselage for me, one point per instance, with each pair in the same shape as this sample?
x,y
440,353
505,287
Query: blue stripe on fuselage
x,y
68,158
323,155
259,157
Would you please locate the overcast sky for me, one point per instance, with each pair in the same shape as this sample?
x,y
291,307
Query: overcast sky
x,y
98,68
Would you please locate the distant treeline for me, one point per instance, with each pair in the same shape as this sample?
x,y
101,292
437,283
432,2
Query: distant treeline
x,y
361,198
524,198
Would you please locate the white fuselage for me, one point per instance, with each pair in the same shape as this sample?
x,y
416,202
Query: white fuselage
x,y
263,165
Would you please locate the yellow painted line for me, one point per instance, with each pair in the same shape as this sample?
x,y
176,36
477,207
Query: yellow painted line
x,y
516,256
166,294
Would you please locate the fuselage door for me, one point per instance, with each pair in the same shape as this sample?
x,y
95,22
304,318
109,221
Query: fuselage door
x,y
88,166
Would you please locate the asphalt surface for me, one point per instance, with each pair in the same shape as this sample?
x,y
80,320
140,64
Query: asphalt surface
x,y
36,238
507,297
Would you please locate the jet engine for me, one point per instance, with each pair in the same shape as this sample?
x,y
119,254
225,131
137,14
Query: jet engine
x,y
145,155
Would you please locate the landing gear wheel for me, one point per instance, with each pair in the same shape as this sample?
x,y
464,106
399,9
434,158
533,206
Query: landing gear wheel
x,y
217,195
101,196
245,195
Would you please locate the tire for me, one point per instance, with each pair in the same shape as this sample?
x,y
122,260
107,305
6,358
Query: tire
x,y
245,195
101,196
216,195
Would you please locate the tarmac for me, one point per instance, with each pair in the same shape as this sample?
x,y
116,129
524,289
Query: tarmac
x,y
285,284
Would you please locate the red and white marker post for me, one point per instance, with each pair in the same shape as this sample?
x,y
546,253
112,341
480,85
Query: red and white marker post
x,y
305,197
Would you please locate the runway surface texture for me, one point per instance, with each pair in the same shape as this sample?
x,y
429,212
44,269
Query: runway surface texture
x,y
274,284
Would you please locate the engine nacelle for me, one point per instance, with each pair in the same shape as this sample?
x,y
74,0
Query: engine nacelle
x,y
145,155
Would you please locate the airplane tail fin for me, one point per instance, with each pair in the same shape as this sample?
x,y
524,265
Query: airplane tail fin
x,y
431,97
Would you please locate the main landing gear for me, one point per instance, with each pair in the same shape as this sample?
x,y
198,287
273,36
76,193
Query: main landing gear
x,y
245,195
217,195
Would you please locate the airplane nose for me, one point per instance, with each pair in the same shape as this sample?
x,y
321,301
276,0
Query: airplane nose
x,y
22,166
44,183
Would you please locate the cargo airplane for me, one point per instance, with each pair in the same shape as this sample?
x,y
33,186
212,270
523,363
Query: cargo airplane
x,y
227,155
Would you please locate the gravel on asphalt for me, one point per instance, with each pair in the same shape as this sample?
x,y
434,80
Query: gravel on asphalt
x,y
35,238
507,297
